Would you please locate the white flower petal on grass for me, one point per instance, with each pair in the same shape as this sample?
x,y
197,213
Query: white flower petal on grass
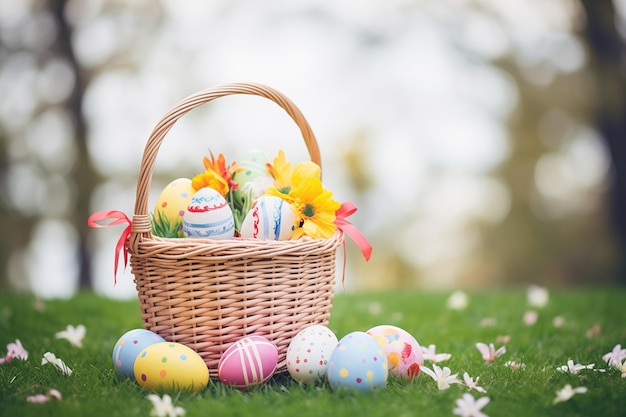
x,y
568,392
39,398
488,322
558,321
163,407
615,357
594,331
468,406
72,334
515,365
458,300
530,318
44,398
50,357
537,296
443,377
490,353
623,369
15,351
471,384
430,354
573,368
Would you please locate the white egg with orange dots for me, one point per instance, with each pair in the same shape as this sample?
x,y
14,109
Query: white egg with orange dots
x,y
404,354
270,218
171,366
209,216
309,351
249,362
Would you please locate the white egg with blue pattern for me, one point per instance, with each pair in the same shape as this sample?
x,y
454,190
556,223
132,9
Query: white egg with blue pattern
x,y
209,216
270,218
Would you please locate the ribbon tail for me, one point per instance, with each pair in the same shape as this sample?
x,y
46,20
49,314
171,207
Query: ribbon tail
x,y
114,217
358,238
345,262
121,247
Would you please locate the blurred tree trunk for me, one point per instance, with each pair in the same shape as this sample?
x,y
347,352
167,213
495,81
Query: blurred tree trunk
x,y
84,177
607,60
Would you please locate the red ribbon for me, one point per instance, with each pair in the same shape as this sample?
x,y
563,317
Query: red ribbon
x,y
114,217
347,209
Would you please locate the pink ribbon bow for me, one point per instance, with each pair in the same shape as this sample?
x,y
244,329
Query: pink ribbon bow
x,y
347,209
114,217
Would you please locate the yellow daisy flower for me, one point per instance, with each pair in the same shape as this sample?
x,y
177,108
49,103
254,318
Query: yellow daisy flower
x,y
314,206
281,171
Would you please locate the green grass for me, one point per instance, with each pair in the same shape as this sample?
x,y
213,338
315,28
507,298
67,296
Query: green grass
x,y
95,389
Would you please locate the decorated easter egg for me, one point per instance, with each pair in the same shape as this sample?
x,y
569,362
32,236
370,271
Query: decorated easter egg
x,y
247,363
253,166
129,346
270,218
168,366
209,216
173,201
309,351
358,362
404,354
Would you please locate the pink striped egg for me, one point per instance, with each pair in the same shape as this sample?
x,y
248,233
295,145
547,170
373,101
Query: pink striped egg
x,y
249,362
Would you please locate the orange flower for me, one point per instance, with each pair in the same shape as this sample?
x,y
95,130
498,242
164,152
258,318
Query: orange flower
x,y
217,175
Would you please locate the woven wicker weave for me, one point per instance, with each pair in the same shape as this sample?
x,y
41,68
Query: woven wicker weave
x,y
208,294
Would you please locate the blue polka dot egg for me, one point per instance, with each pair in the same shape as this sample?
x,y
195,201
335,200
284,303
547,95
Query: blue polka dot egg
x,y
129,346
358,362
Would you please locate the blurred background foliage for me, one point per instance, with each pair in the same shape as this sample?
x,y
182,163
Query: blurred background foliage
x,y
482,140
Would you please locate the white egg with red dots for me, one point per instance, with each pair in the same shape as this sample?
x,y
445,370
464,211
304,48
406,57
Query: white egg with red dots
x,y
309,351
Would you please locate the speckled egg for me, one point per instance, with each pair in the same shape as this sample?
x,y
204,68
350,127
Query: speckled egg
x,y
249,362
173,201
129,346
170,366
404,354
309,351
209,216
358,362
254,165
270,218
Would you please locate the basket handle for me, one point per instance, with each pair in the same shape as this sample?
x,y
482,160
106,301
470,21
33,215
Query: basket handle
x,y
141,220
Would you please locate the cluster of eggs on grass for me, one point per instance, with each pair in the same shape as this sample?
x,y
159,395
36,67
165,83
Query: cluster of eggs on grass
x,y
205,213
360,361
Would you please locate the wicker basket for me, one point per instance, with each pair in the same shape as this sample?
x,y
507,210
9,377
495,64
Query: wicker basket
x,y
207,294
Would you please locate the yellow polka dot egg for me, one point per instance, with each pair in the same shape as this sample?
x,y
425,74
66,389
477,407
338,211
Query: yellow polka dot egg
x,y
173,201
170,366
358,362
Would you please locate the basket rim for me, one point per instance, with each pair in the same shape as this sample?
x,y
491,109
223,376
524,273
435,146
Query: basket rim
x,y
177,248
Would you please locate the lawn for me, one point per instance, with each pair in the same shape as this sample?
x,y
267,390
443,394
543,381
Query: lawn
x,y
576,324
